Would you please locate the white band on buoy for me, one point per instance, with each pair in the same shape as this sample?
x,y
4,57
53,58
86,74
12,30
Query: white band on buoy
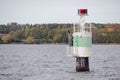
x,y
81,51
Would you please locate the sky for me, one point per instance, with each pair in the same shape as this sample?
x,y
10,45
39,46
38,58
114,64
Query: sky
x,y
58,11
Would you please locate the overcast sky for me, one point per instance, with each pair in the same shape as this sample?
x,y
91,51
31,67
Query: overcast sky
x,y
58,11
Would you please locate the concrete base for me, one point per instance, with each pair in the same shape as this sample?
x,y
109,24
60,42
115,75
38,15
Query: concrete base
x,y
82,64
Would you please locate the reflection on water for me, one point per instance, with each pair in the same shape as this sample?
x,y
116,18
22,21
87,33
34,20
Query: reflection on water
x,y
50,62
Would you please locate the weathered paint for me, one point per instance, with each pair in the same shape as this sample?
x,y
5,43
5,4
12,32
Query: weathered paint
x,y
82,64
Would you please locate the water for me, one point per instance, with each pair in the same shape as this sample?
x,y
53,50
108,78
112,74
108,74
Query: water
x,y
50,62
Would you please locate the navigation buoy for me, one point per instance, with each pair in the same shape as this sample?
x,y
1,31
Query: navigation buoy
x,y
81,42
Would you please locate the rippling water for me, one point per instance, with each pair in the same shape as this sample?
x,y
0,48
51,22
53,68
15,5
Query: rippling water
x,y
50,62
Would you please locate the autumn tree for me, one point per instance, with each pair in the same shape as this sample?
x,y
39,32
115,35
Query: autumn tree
x,y
29,40
7,38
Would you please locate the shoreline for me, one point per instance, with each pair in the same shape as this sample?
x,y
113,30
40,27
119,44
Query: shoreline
x,y
61,44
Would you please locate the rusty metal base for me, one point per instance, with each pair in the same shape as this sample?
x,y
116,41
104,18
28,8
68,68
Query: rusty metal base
x,y
82,64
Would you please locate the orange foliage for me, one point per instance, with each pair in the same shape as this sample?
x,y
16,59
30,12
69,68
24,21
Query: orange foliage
x,y
110,29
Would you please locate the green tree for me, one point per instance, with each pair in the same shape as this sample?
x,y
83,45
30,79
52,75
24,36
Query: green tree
x,y
116,37
18,35
0,40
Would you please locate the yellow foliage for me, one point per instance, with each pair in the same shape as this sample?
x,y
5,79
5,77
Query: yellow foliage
x,y
30,40
104,34
102,30
7,38
56,37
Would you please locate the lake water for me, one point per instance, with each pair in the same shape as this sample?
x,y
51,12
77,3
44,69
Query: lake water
x,y
50,62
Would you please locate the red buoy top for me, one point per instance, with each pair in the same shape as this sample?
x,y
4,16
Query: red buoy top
x,y
82,11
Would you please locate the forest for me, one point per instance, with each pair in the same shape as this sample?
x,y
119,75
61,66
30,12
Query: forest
x,y
55,33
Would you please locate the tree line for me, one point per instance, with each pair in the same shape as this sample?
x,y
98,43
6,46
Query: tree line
x,y
56,33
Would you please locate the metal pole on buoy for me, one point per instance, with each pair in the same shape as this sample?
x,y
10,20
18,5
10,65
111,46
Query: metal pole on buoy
x,y
82,42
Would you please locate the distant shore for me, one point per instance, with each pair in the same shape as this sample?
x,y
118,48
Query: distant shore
x,y
65,43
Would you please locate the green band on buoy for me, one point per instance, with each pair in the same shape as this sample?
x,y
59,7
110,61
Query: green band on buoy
x,y
82,41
